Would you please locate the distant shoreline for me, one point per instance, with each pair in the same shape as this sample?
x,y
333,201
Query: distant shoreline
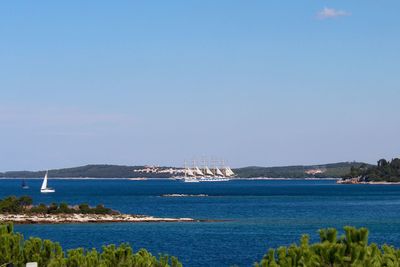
x,y
352,182
382,183
267,178
330,170
162,179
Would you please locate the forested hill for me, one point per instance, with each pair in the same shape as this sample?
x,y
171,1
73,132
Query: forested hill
x,y
334,170
90,171
384,171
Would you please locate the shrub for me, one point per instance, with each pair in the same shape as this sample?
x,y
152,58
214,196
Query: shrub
x,y
14,249
351,249
23,204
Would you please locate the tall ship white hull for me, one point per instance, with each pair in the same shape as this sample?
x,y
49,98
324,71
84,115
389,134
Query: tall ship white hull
x,y
214,179
205,174
190,180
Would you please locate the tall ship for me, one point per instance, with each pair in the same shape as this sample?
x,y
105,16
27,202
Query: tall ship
x,y
205,173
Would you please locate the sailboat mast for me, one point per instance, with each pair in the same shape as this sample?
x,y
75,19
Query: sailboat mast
x,y
185,171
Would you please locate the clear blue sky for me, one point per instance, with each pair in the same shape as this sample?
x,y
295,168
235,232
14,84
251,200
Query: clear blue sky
x,y
156,82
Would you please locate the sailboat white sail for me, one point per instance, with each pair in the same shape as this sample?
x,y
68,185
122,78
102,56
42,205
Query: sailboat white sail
x,y
198,172
189,176
207,171
218,172
44,184
44,188
189,172
228,172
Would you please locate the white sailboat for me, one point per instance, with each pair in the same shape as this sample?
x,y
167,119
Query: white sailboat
x,y
44,188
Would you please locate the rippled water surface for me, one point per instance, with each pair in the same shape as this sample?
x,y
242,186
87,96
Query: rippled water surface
x,y
261,214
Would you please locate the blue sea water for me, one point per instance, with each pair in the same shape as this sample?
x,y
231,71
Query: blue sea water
x,y
260,214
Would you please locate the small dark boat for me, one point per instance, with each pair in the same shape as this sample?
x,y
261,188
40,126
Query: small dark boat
x,y
24,185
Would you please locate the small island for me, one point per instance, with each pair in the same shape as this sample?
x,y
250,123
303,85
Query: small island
x,y
22,211
385,172
184,195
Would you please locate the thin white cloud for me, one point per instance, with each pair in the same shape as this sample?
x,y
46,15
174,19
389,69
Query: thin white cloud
x,y
331,13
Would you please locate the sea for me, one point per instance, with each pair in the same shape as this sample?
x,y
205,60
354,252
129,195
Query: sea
x,y
257,215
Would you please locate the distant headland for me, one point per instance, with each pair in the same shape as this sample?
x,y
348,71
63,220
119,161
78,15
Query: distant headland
x,y
385,172
331,170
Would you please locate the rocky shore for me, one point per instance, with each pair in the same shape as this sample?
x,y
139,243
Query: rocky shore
x,y
85,218
360,181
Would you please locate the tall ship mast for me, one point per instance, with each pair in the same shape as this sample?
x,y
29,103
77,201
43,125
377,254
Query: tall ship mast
x,y
188,171
227,171
217,173
189,176
196,169
206,170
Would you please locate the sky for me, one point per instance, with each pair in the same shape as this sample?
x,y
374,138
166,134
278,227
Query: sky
x,y
267,83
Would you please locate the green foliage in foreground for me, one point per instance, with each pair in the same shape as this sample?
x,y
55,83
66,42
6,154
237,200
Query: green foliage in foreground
x,y
14,249
23,204
352,249
388,171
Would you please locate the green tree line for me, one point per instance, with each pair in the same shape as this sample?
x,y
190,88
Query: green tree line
x,y
92,171
17,251
334,170
388,171
23,204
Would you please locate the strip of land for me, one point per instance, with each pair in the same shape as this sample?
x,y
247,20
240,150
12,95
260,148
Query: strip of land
x,y
358,181
331,170
21,211
385,172
184,195
86,218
